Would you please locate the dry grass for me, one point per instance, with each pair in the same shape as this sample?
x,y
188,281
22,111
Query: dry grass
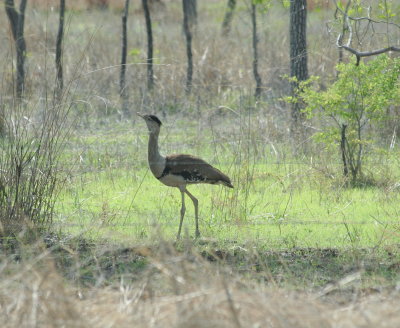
x,y
222,65
223,73
176,290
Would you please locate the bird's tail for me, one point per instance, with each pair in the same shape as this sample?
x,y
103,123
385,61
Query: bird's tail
x,y
226,183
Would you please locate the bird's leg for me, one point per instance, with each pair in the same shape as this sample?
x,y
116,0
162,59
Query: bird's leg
x,y
196,211
183,209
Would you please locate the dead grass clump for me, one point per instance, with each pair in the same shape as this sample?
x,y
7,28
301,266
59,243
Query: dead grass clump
x,y
30,153
187,291
33,294
373,311
174,290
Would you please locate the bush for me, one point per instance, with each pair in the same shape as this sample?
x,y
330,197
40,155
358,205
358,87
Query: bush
x,y
29,164
359,99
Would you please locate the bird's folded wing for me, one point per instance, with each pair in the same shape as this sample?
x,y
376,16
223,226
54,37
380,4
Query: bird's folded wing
x,y
193,169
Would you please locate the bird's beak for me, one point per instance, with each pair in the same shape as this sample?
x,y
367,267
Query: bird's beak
x,y
139,114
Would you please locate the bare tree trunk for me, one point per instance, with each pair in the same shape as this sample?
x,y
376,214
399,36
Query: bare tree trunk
x,y
343,150
226,24
150,74
12,15
17,20
188,35
122,80
298,53
360,150
345,28
257,76
59,64
21,50
192,13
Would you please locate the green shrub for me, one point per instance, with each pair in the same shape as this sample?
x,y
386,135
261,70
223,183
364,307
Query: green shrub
x,y
359,99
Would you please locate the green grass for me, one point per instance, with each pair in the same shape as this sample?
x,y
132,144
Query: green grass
x,y
276,204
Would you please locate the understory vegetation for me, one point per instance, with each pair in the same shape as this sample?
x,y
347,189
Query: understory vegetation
x,y
308,237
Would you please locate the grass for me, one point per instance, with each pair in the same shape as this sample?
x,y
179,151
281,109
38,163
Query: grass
x,y
289,246
76,283
276,203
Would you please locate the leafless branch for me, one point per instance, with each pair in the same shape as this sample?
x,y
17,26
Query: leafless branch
x,y
360,54
347,27
365,18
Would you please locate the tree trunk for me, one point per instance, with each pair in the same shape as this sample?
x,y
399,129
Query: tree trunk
x,y
21,50
188,35
257,76
298,53
343,150
226,24
122,80
12,15
17,20
345,28
59,64
192,13
150,75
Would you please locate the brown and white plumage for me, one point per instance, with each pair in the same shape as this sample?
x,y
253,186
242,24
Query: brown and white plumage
x,y
180,170
192,170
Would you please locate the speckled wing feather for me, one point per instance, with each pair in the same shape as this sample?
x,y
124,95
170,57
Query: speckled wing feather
x,y
194,170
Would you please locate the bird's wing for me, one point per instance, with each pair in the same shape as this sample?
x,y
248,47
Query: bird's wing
x,y
194,169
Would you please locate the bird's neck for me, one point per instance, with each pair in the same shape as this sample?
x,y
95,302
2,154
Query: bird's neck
x,y
156,161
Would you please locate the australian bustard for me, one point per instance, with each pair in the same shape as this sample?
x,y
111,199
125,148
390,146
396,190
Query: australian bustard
x,y
180,170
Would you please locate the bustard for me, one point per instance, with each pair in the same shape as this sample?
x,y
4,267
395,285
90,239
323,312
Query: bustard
x,y
180,170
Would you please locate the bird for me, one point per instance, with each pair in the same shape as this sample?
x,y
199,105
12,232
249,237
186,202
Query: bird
x,y
180,170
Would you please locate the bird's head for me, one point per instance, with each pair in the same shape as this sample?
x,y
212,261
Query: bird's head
x,y
152,121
